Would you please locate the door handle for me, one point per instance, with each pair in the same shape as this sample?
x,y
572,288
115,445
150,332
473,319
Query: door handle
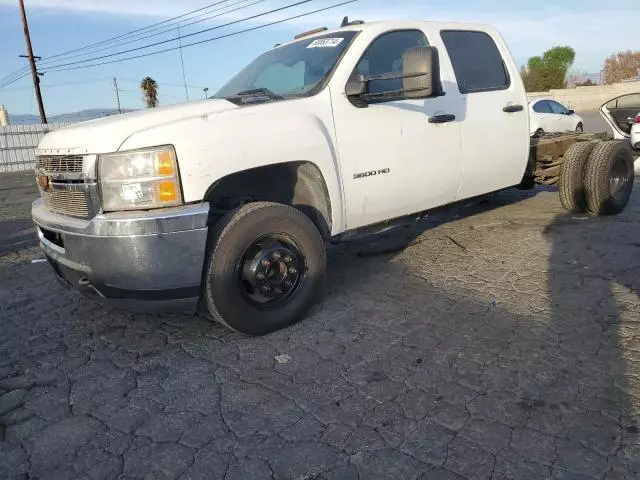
x,y
448,117
513,108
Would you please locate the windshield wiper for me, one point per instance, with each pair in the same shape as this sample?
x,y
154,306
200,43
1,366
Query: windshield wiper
x,y
259,92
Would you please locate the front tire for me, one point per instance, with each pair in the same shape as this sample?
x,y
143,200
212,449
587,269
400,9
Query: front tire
x,y
265,268
579,128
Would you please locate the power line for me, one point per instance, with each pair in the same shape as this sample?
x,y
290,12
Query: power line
x,y
140,29
64,84
209,39
101,79
25,74
291,5
17,74
14,75
170,28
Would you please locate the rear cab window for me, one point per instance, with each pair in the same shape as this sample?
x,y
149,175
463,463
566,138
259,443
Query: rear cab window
x,y
477,62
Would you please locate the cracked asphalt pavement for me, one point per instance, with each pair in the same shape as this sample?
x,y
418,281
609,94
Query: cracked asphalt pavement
x,y
497,340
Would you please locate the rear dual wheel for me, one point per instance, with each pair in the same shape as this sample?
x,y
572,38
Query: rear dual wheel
x,y
265,268
596,176
571,182
609,176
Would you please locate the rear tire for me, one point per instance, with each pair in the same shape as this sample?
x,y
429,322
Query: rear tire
x,y
236,277
609,177
580,128
571,181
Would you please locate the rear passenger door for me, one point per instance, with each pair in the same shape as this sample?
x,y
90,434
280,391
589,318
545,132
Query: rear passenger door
x,y
495,129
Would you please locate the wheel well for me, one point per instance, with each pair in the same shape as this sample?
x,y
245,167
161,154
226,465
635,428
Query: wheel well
x,y
299,184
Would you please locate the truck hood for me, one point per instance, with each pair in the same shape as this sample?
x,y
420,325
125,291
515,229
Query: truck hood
x,y
107,134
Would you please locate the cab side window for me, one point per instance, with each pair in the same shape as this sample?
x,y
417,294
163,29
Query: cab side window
x,y
384,55
476,60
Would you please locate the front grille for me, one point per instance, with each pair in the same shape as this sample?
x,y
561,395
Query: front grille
x,y
65,188
66,202
59,163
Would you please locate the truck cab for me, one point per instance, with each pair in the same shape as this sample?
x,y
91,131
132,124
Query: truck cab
x,y
229,201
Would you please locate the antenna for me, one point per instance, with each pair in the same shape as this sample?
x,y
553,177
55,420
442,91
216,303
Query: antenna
x,y
345,22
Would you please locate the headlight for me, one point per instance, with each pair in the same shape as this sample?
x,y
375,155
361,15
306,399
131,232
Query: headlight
x,y
139,179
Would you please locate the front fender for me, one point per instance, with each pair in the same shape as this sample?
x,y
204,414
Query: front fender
x,y
211,147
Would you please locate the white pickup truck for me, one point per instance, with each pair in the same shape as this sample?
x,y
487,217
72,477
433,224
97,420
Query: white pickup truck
x,y
230,201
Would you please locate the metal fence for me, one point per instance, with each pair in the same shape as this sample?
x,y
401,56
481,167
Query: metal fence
x,y
18,142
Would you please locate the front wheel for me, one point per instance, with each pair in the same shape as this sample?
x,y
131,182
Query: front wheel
x,y
265,268
580,128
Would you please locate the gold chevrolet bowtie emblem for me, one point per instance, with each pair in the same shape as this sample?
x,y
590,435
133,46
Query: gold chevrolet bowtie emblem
x,y
44,181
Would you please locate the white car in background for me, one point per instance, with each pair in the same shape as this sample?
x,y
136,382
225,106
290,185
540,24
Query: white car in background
x,y
623,114
547,115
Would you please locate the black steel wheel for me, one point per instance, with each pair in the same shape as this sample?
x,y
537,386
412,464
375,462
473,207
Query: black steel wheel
x,y
265,268
271,270
609,177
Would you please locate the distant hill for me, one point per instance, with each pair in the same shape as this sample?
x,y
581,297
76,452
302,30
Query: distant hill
x,y
81,116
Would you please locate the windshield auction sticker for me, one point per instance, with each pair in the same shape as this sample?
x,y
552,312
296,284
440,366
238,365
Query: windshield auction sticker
x,y
326,42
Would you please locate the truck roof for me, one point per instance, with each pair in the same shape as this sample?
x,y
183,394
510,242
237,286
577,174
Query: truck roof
x,y
383,26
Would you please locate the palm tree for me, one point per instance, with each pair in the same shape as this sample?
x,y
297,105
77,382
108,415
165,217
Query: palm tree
x,y
149,89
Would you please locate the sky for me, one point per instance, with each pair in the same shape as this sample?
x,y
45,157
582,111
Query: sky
x,y
595,29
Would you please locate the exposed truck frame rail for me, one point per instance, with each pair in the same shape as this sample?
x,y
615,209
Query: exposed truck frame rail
x,y
547,152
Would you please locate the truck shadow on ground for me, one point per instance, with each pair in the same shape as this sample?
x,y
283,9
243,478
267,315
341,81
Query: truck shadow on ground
x,y
499,344
564,354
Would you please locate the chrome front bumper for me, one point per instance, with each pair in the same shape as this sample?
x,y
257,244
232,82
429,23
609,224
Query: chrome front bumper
x,y
151,255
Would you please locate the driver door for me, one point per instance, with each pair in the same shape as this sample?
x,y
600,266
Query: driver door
x,y
394,161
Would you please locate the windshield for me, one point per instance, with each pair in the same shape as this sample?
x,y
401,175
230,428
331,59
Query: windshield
x,y
293,70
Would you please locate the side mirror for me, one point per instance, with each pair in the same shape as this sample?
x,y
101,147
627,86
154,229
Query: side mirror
x,y
421,72
356,86
571,112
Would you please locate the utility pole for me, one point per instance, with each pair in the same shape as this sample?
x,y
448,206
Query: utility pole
x,y
205,90
32,62
115,86
184,77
